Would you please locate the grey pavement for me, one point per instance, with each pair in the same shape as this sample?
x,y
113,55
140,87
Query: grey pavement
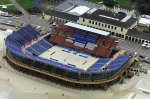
x,y
10,21
36,20
134,47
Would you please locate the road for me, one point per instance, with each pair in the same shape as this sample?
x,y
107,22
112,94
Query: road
x,y
30,19
26,14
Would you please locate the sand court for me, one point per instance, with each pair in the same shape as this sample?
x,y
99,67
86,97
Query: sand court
x,y
70,57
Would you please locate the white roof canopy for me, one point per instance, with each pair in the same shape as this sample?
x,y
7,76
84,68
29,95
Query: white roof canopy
x,y
144,21
126,19
79,10
89,29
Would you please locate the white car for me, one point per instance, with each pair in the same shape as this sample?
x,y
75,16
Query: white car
x,y
147,46
143,45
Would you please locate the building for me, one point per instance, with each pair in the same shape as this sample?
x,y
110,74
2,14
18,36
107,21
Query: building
x,y
120,21
36,54
136,36
121,9
117,21
84,38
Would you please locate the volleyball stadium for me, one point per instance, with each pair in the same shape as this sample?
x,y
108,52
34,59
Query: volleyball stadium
x,y
70,54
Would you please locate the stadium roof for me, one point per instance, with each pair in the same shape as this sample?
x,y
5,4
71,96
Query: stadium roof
x,y
79,10
87,28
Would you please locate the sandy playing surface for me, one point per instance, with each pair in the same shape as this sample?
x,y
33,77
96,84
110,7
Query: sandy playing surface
x,y
66,56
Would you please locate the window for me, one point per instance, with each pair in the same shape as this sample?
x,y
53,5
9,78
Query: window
x,y
112,27
105,25
83,20
115,28
99,24
95,23
121,29
108,26
104,43
126,37
102,25
119,35
90,21
113,33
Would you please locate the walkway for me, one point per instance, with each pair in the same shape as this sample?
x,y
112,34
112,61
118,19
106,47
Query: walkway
x,y
26,14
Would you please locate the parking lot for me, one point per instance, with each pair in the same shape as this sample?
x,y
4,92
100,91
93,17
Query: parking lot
x,y
134,47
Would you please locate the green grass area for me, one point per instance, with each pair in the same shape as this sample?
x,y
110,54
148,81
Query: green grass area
x,y
26,4
10,8
3,2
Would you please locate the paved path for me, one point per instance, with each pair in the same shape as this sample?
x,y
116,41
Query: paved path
x,y
26,14
19,7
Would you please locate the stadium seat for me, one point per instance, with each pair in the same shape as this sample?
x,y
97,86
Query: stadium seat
x,y
39,47
78,35
97,66
118,62
91,39
32,51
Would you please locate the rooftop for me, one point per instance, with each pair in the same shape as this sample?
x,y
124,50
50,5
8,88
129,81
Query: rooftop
x,y
89,29
62,15
109,14
98,15
79,10
110,18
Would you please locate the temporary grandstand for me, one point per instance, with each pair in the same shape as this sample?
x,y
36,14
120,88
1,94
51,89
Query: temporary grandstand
x,y
81,37
30,52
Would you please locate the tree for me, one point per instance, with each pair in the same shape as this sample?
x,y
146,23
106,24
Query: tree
x,y
109,3
143,6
